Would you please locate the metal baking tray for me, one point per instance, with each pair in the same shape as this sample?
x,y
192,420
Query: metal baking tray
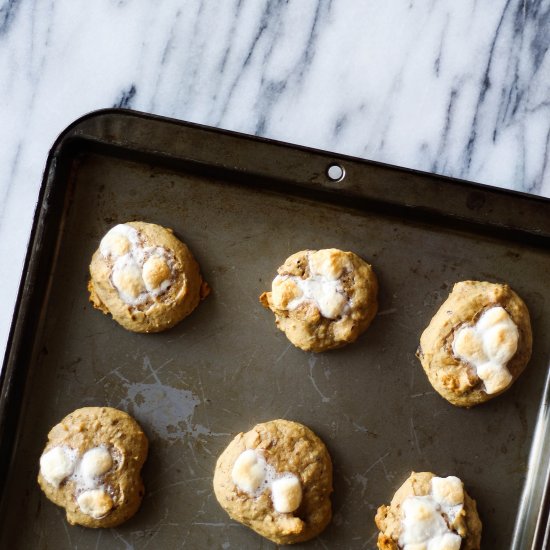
x,y
243,205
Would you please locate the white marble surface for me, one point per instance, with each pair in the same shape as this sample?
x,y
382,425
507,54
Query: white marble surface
x,y
458,88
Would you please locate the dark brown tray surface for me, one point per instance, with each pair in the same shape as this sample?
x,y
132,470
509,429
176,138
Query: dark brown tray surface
x,y
226,367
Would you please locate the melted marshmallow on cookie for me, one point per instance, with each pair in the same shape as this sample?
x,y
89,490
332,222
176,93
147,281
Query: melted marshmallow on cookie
x,y
428,520
95,503
252,475
85,472
323,287
58,464
138,272
488,346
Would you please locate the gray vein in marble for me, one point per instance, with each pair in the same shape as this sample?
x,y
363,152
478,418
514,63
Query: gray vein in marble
x,y
7,14
126,97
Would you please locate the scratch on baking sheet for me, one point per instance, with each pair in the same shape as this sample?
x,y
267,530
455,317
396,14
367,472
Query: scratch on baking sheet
x,y
285,414
116,372
283,354
186,481
154,372
322,543
363,430
209,524
98,540
203,395
311,362
362,481
376,462
415,395
367,543
64,522
127,545
386,312
415,438
156,529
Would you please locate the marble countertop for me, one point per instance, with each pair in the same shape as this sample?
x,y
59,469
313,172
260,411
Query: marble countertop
x,y
456,88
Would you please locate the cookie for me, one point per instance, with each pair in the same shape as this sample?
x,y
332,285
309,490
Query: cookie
x,y
477,344
145,277
429,512
91,466
277,480
323,299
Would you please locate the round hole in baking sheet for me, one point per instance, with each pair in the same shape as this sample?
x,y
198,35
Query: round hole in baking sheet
x,y
335,172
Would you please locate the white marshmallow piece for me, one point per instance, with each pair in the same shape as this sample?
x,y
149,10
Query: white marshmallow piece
x,y
249,471
95,463
447,491
95,503
137,271
57,464
118,241
422,521
494,377
424,524
327,294
286,494
156,272
488,346
128,280
328,263
323,287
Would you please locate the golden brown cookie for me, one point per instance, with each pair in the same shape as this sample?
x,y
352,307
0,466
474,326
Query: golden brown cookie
x,y
145,277
431,512
323,299
277,480
91,466
477,344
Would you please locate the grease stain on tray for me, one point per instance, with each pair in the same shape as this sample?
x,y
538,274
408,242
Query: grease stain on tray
x,y
167,411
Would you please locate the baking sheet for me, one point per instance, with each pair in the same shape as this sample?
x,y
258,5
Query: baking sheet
x,y
243,206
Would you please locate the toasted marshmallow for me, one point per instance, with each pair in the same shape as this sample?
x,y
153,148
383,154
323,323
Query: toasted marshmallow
x,y
137,271
118,241
467,344
249,471
494,377
421,521
57,464
322,288
424,524
328,263
95,463
488,346
95,503
284,290
286,494
127,279
327,294
448,491
155,272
